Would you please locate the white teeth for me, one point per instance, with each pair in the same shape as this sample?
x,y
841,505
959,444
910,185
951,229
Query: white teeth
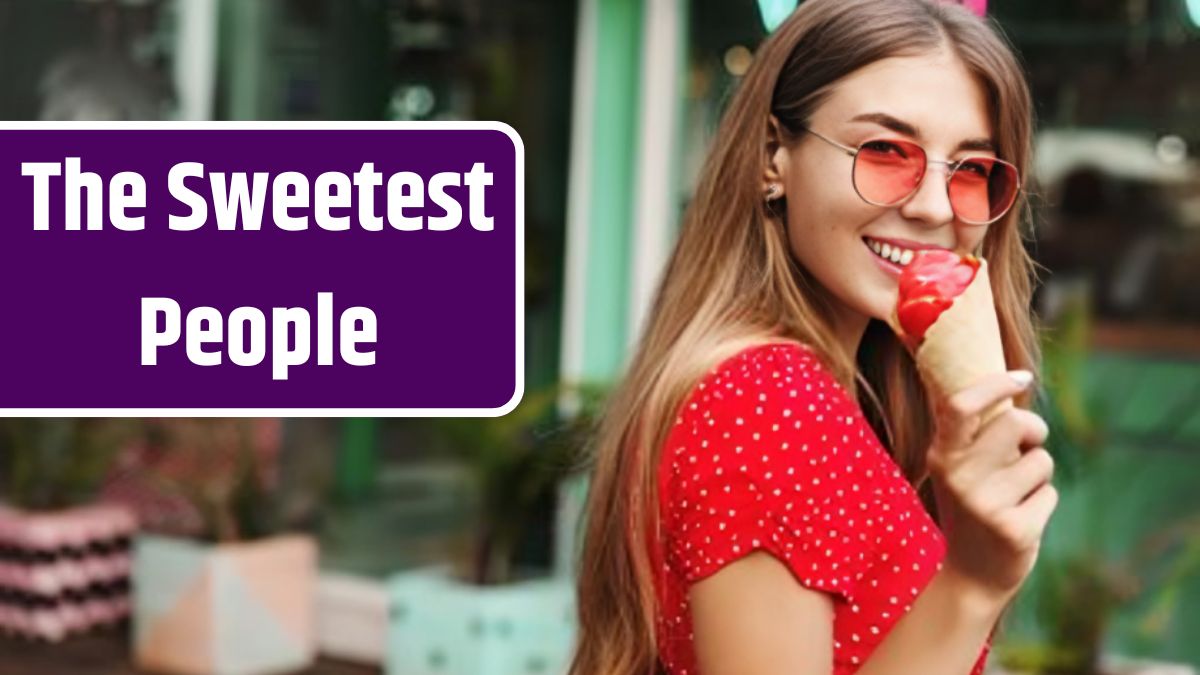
x,y
894,254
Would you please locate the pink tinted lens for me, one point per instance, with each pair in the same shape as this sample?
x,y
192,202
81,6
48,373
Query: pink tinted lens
x,y
982,189
885,172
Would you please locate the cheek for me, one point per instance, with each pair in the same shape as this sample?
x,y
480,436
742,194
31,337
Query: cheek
x,y
971,239
821,203
821,225
824,238
809,225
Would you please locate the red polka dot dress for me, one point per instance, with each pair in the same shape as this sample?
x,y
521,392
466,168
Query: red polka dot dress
x,y
769,452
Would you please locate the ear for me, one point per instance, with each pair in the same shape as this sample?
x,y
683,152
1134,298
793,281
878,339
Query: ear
x,y
776,153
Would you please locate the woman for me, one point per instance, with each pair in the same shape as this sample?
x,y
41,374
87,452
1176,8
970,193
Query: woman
x,y
745,517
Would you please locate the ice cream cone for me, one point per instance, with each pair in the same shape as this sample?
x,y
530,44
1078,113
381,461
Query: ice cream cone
x,y
964,344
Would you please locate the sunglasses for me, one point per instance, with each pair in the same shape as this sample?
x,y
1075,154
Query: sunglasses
x,y
888,172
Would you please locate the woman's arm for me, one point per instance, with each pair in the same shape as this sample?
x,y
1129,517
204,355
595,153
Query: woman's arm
x,y
753,618
943,633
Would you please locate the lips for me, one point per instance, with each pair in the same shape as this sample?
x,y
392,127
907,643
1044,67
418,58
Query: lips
x,y
897,252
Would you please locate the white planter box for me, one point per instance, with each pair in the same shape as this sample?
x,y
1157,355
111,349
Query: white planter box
x,y
233,609
352,618
444,627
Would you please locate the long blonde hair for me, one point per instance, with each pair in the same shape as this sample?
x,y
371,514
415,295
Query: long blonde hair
x,y
731,282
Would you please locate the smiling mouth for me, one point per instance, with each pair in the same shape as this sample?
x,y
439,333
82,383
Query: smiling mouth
x,y
890,252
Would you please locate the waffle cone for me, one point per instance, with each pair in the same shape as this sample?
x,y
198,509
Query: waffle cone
x,y
964,344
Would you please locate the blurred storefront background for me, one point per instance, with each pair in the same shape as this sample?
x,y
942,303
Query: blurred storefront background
x,y
446,545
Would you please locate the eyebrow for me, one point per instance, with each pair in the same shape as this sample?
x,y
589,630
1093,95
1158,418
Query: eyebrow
x,y
902,127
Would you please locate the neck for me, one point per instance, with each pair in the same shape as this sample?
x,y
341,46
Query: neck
x,y
849,327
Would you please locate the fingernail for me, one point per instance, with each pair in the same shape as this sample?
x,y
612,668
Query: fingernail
x,y
1023,378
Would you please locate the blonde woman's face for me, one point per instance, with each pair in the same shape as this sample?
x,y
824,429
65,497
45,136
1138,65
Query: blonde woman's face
x,y
931,100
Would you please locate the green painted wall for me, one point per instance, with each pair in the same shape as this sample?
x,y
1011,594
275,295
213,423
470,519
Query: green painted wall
x,y
619,35
1145,478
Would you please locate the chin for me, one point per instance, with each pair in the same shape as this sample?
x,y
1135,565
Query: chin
x,y
881,308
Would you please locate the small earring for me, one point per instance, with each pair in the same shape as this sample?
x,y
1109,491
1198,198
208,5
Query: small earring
x,y
772,191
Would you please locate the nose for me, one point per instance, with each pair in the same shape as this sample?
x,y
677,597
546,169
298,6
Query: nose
x,y
931,202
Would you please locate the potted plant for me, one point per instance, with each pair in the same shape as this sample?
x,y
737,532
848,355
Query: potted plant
x,y
1080,594
1084,579
234,595
486,613
64,558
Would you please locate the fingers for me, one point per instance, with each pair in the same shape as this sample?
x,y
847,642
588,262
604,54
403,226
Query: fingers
x,y
1016,428
1022,526
960,417
1034,429
1039,506
1013,484
997,448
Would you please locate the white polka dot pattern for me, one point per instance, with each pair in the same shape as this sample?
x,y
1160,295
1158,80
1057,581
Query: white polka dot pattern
x,y
769,452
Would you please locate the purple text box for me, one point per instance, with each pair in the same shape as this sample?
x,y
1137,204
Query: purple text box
x,y
448,304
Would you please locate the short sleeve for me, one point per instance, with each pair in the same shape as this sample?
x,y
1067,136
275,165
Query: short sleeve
x,y
767,454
